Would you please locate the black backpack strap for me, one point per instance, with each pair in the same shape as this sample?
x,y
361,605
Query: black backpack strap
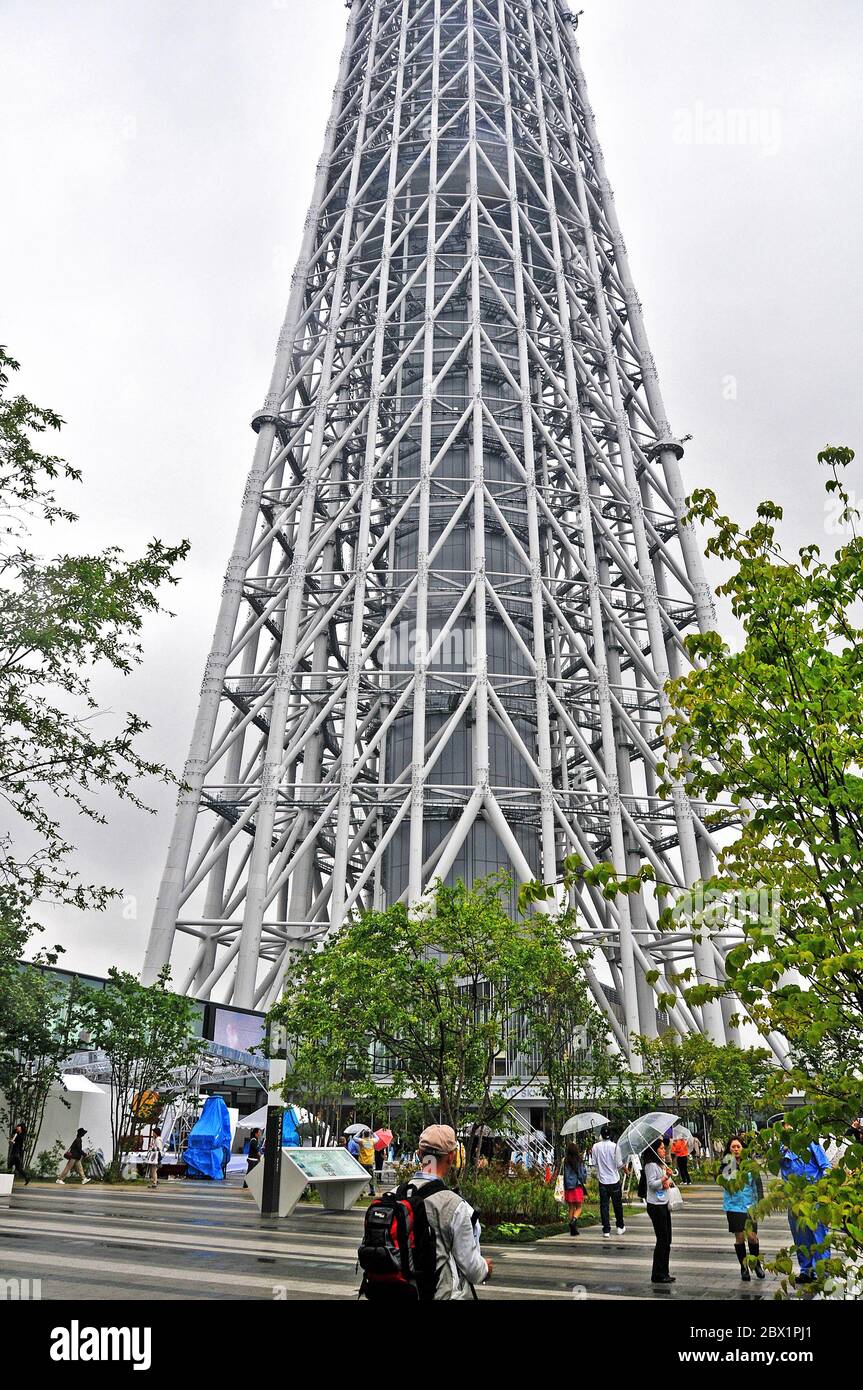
x,y
422,1190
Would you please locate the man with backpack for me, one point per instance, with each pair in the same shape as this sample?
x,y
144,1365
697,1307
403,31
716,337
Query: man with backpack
x,y
420,1242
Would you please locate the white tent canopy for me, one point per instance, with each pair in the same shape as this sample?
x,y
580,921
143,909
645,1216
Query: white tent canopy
x,y
73,1082
258,1120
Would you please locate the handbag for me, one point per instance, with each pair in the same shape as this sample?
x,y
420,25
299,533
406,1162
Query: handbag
x,y
675,1197
559,1190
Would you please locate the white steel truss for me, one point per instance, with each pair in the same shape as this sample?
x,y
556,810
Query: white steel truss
x,y
461,577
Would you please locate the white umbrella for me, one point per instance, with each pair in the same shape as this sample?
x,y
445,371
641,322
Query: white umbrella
x,y
645,1131
357,1129
681,1132
579,1124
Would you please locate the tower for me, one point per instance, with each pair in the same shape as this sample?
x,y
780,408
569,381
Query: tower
x,y
461,576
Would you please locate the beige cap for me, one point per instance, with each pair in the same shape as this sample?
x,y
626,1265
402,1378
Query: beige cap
x,y
438,1139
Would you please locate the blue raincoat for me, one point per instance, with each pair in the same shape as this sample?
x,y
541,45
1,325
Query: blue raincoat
x,y
812,1168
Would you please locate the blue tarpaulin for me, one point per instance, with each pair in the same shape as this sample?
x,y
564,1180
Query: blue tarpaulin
x,y
290,1133
209,1144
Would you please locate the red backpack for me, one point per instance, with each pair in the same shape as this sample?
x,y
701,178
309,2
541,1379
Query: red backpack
x,y
398,1254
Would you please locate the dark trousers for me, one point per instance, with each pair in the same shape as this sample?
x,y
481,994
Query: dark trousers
x,y
16,1163
683,1170
611,1194
661,1218
806,1242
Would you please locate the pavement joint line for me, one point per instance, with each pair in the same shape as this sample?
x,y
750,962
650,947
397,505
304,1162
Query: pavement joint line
x,y
215,1239
252,1280
584,1261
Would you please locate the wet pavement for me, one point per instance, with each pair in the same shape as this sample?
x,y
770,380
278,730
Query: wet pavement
x,y
193,1240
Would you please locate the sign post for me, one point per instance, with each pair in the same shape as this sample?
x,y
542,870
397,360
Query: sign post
x,y
338,1178
272,1164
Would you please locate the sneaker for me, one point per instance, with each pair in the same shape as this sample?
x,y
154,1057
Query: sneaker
x,y
606,1235
60,1182
84,1182
621,1230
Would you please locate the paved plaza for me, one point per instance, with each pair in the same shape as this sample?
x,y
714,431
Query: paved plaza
x,y
196,1240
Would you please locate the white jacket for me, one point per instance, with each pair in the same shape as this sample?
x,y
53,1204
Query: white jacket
x,y
459,1262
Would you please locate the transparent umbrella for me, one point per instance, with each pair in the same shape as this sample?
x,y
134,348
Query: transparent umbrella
x,y
579,1124
681,1132
357,1129
644,1131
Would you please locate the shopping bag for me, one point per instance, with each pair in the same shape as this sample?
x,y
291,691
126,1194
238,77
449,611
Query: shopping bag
x,y
559,1190
675,1197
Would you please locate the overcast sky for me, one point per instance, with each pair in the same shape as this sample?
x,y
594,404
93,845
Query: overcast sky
x,y
156,161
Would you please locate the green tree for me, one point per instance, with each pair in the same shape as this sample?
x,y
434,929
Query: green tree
x,y
772,728
147,1036
438,992
38,1030
59,619
775,727
567,1032
324,1070
730,1087
671,1065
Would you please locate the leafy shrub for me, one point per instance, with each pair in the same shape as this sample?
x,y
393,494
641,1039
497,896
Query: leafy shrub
x,y
502,1198
50,1161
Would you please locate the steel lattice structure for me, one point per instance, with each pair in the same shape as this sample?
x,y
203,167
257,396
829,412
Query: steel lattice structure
x,y
461,576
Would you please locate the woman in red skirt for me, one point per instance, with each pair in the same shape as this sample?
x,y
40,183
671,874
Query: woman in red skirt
x,y
574,1183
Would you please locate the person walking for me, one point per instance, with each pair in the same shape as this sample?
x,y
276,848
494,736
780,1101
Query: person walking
x,y
654,1187
17,1144
605,1159
74,1156
253,1154
680,1152
366,1157
806,1239
574,1183
380,1159
459,1263
740,1193
154,1158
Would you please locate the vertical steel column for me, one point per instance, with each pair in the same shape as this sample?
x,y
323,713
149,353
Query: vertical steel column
x,y
705,967
609,741
418,743
256,893
167,903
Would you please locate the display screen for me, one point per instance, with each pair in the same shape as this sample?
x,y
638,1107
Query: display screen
x,y
242,1032
319,1164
